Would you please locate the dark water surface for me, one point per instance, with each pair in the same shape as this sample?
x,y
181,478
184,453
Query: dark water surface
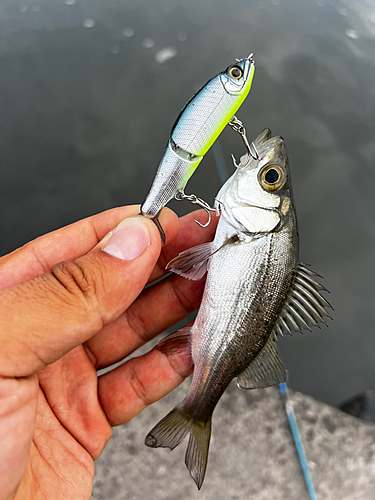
x,y
89,90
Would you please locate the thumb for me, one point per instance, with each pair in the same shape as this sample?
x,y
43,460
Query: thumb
x,y
43,318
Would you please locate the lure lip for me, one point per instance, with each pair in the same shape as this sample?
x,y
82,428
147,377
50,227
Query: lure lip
x,y
249,58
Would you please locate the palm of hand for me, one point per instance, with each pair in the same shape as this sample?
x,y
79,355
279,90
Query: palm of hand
x,y
65,408
70,432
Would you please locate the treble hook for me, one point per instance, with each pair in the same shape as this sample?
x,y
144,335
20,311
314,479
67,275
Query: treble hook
x,y
196,201
234,161
254,149
236,125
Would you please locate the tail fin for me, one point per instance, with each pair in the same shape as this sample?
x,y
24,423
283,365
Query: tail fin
x,y
172,429
197,451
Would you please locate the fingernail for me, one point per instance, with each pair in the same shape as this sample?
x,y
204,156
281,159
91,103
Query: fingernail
x,y
129,239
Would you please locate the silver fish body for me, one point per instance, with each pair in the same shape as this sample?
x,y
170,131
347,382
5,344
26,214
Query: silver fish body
x,y
199,124
249,297
239,311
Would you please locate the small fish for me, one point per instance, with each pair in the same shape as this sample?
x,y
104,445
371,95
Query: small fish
x,y
197,127
256,289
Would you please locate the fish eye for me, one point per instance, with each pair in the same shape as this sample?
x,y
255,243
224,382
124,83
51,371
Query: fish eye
x,y
272,178
235,72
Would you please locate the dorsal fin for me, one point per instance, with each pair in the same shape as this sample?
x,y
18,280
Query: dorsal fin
x,y
266,369
305,306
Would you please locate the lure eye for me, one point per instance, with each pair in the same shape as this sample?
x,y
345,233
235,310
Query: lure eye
x,y
272,178
235,72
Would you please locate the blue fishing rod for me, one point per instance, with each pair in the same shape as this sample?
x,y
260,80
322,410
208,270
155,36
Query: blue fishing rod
x,y
283,388
289,410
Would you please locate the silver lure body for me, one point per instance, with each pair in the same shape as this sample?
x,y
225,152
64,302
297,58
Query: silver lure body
x,y
199,124
255,290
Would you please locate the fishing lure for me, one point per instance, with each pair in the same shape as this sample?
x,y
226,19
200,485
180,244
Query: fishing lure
x,y
196,128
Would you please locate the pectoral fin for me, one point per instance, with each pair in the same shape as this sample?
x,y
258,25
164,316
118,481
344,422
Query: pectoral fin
x,y
266,369
192,263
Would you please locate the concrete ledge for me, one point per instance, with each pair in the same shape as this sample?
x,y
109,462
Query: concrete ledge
x,y
252,455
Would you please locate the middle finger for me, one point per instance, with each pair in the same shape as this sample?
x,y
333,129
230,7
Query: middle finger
x,y
156,309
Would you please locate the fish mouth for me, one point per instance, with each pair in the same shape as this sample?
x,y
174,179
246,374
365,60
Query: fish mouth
x,y
275,143
265,147
264,141
271,149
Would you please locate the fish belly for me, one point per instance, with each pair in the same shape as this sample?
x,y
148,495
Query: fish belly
x,y
246,286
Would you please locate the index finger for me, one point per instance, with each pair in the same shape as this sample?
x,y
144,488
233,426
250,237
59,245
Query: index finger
x,y
65,244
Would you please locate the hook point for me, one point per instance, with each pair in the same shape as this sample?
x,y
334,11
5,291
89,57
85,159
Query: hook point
x,y
207,223
234,161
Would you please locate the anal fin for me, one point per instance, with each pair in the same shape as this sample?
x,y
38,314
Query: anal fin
x,y
266,369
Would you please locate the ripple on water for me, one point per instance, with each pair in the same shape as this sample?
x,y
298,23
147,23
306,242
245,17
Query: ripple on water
x,y
181,36
352,34
148,43
89,23
115,49
163,55
128,32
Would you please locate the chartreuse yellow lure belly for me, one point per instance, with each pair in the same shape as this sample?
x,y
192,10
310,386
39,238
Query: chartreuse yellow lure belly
x,y
197,127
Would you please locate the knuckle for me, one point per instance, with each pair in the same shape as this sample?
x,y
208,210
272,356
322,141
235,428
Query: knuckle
x,y
137,324
75,280
187,304
138,387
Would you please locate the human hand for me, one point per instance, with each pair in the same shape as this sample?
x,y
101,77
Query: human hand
x,y
61,321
